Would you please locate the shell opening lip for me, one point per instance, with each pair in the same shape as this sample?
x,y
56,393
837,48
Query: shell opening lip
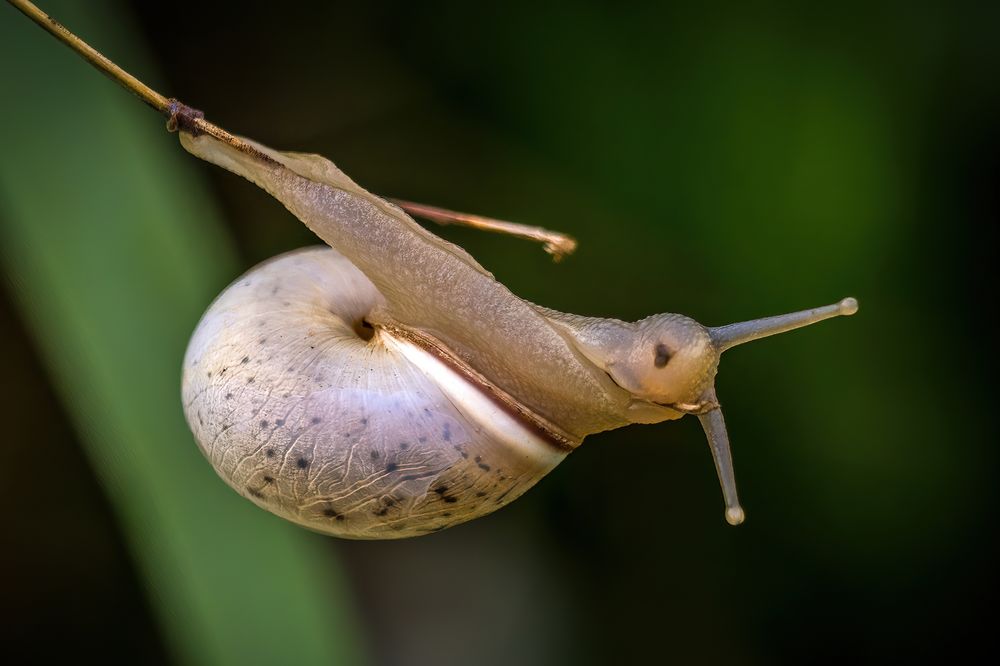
x,y
548,432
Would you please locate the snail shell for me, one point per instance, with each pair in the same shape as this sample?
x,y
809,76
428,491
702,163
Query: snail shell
x,y
344,428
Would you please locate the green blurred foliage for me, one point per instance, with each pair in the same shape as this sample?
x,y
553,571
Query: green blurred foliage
x,y
724,162
113,249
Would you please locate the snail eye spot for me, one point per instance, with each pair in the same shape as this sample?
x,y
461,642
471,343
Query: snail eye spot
x,y
662,356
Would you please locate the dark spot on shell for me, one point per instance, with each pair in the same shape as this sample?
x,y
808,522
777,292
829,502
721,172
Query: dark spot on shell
x,y
279,422
246,359
209,373
404,445
446,433
484,467
263,424
269,453
331,513
262,341
255,493
251,380
446,514
226,427
375,455
462,451
442,490
391,467
316,420
229,396
302,463
382,511
364,421
662,356
268,479
421,439
480,494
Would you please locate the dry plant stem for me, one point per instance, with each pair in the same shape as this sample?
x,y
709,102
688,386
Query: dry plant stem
x,y
182,117
555,243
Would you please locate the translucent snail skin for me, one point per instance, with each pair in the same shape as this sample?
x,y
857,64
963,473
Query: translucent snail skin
x,y
385,385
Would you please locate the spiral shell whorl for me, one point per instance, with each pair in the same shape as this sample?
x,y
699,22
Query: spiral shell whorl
x,y
309,414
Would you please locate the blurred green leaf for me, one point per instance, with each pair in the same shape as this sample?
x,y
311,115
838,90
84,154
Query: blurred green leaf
x,y
114,250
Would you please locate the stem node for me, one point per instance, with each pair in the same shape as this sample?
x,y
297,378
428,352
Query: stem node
x,y
180,116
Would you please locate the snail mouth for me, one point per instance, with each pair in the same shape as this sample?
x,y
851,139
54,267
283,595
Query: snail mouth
x,y
546,431
697,408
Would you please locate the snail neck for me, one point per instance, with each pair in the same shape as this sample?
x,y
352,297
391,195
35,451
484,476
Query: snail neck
x,y
609,346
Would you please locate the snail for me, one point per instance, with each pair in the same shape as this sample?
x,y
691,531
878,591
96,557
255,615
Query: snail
x,y
385,385
388,386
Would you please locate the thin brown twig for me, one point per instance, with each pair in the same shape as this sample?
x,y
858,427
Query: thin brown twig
x,y
555,243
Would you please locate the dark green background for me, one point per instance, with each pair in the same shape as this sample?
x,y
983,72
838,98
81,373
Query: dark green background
x,y
723,162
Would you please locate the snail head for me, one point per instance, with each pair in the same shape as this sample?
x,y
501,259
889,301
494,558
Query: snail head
x,y
668,359
671,361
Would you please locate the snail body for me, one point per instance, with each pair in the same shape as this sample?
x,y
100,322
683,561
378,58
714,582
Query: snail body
x,y
388,386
